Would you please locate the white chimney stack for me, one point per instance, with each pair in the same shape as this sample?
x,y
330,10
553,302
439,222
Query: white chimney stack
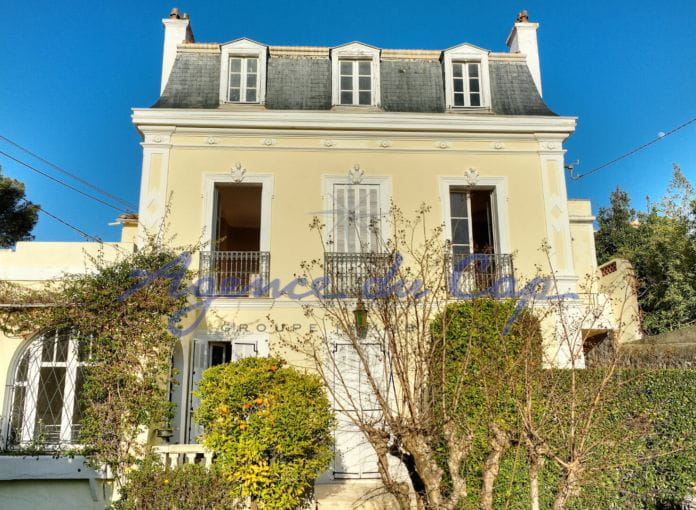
x,y
177,30
523,39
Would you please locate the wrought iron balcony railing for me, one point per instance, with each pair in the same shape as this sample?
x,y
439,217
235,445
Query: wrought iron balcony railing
x,y
235,273
482,274
348,272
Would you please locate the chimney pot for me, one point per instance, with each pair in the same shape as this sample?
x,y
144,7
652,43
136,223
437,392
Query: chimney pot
x,y
174,13
185,15
522,17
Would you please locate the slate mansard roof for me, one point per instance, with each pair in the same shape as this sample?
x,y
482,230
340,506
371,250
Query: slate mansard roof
x,y
299,82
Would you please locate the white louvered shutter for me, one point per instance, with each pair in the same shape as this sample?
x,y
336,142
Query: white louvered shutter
x,y
356,218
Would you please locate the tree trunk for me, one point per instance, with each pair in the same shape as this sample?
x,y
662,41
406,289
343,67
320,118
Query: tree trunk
x,y
567,489
499,442
536,462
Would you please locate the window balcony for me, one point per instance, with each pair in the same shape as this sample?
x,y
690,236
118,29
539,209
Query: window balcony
x,y
347,272
481,274
235,273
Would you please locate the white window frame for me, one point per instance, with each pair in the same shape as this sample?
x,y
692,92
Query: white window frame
x,y
384,198
467,54
210,206
200,361
356,52
499,210
34,365
243,48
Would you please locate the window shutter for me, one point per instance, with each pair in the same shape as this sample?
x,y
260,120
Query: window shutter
x,y
200,363
356,218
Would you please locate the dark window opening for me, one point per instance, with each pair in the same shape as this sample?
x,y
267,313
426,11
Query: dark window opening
x,y
238,217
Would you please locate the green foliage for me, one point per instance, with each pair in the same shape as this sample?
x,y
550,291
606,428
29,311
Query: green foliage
x,y
17,215
270,427
661,245
125,383
650,467
151,486
487,374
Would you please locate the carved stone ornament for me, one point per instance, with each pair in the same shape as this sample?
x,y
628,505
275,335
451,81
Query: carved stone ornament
x,y
498,145
551,145
212,140
157,139
472,176
268,142
355,174
328,143
238,172
442,144
384,143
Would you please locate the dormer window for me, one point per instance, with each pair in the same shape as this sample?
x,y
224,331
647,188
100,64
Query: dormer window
x,y
466,77
355,75
243,80
466,81
243,72
356,82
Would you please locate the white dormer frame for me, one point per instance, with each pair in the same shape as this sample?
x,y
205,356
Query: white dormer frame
x,y
243,48
355,51
467,53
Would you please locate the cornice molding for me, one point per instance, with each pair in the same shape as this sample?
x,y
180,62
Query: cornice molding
x,y
147,119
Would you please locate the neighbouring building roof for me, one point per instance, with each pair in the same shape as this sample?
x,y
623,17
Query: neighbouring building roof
x,y
303,82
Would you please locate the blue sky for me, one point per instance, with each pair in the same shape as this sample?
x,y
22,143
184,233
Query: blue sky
x,y
72,70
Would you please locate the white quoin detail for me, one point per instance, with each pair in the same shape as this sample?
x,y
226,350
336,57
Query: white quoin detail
x,y
176,31
523,39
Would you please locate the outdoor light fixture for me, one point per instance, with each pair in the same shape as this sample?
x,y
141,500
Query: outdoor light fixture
x,y
360,314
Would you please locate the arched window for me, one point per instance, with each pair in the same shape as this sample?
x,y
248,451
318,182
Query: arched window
x,y
44,405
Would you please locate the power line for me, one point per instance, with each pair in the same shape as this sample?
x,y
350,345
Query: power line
x,y
69,174
97,199
630,153
64,222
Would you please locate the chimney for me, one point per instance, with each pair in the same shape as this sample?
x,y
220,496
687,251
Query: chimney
x,y
523,39
177,30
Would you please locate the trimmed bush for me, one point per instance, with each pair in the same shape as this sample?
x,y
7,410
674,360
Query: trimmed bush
x,y
151,486
270,428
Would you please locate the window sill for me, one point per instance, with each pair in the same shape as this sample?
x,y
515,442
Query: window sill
x,y
470,109
355,108
242,106
46,467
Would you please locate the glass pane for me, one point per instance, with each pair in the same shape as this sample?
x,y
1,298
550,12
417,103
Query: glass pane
x,y
62,346
235,79
251,95
365,83
234,94
251,80
252,65
460,231
364,68
346,83
474,85
459,99
49,345
475,100
365,98
473,70
346,67
22,369
458,85
235,65
457,70
17,421
460,251
346,97
49,404
458,205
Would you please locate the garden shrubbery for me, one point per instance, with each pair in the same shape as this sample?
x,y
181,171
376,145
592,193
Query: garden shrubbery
x,y
270,428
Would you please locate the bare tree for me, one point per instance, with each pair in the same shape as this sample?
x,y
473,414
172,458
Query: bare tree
x,y
383,344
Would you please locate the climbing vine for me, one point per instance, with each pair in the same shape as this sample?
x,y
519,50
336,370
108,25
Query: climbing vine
x,y
124,394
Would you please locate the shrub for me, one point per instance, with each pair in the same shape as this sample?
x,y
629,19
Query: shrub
x,y
270,427
151,486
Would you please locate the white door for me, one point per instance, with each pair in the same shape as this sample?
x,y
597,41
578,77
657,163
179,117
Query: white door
x,y
353,397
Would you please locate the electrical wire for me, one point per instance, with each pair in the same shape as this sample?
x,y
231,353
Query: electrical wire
x,y
630,153
96,199
65,222
69,174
